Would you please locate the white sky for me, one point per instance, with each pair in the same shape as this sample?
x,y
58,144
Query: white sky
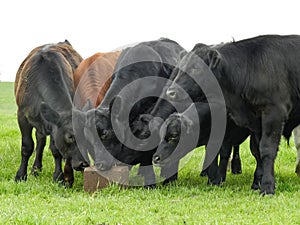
x,y
104,25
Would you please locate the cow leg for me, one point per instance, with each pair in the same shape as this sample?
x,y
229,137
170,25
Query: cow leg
x,y
272,124
170,172
147,172
214,177
27,147
68,174
296,133
236,165
224,157
58,173
254,143
41,142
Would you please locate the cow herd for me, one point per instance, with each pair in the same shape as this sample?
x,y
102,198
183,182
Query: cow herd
x,y
152,103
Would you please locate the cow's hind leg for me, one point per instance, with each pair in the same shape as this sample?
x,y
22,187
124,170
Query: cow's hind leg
x,y
254,147
41,142
224,158
27,147
58,173
272,123
236,165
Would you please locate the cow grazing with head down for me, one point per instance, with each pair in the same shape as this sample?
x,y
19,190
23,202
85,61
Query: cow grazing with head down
x,y
178,132
260,80
150,124
44,89
92,79
147,61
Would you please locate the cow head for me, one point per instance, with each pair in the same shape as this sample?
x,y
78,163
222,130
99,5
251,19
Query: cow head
x,y
99,133
195,66
63,135
146,129
170,134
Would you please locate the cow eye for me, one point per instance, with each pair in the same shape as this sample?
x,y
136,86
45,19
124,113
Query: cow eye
x,y
69,138
104,134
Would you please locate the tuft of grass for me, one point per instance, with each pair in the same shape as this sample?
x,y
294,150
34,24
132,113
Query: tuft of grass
x,y
189,200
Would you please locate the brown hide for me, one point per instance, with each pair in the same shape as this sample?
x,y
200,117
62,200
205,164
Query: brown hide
x,y
93,77
22,76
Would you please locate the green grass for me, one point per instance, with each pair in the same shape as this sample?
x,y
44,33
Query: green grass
x,y
187,201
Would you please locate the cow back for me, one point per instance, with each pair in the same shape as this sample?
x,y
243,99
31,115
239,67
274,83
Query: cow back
x,y
46,74
93,77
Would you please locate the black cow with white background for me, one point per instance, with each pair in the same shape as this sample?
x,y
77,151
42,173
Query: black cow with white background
x,y
260,80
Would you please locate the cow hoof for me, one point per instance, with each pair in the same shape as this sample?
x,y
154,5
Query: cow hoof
x,y
235,172
267,189
215,182
255,186
20,177
263,193
203,173
58,177
298,170
68,184
36,170
236,167
170,179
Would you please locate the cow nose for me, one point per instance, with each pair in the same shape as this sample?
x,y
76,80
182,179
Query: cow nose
x,y
156,159
102,166
171,93
84,164
80,166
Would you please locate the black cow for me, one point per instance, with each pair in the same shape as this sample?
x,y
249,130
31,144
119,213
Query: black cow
x,y
44,90
150,61
182,126
260,80
149,124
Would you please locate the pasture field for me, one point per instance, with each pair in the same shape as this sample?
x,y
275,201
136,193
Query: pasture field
x,y
187,201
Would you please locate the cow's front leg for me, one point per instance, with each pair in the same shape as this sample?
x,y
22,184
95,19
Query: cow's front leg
x,y
272,124
68,174
26,148
58,175
213,174
170,172
147,172
41,142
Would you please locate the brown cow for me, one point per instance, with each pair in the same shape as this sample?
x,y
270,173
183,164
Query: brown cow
x,y
44,90
92,79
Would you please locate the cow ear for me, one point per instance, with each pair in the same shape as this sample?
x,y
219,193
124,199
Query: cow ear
x,y
214,58
49,114
67,42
